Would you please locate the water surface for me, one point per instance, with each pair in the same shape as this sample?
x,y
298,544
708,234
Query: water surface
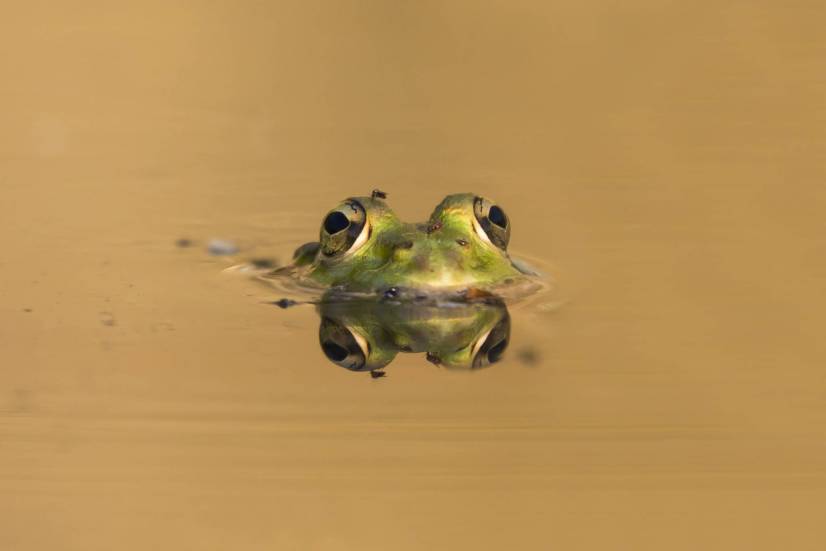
x,y
666,161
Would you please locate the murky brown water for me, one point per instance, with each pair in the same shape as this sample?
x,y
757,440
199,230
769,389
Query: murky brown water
x,y
667,160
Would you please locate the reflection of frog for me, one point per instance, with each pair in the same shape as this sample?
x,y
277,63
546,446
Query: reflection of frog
x,y
365,248
366,336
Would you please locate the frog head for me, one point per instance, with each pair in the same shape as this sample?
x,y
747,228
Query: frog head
x,y
364,247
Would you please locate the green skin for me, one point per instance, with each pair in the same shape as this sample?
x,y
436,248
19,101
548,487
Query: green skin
x,y
450,253
366,336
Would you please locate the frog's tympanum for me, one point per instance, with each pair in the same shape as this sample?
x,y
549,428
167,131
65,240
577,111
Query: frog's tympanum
x,y
366,336
364,249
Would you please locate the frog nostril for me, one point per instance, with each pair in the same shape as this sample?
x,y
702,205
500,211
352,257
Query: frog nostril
x,y
497,216
335,222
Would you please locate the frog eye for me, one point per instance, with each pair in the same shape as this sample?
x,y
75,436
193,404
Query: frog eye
x,y
341,346
491,347
493,222
343,229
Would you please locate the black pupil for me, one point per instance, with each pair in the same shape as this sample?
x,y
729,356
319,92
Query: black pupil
x,y
497,216
495,353
335,222
334,351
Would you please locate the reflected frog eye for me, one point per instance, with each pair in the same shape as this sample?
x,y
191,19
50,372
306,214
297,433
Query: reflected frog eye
x,y
341,346
493,222
491,347
344,228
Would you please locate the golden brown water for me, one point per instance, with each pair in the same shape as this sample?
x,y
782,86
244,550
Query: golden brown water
x,y
667,160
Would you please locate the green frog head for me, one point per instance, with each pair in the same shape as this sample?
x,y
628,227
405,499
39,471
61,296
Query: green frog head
x,y
364,248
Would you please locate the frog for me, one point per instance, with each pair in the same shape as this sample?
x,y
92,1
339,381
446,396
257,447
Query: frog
x,y
364,249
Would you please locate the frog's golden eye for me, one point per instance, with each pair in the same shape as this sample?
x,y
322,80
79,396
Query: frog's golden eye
x,y
342,346
493,222
344,228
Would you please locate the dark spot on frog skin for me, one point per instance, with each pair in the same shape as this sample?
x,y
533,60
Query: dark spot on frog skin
x,y
462,242
404,245
434,227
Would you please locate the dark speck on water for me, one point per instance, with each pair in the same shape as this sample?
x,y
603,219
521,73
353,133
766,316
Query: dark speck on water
x,y
376,374
284,303
528,356
263,263
183,243
378,194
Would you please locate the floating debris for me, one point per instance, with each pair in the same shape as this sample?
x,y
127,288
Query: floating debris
x,y
263,263
378,194
284,303
222,247
528,356
183,243
377,374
